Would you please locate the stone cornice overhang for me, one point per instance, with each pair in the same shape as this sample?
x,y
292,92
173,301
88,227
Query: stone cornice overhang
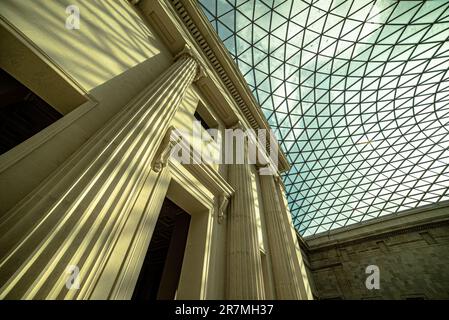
x,y
206,41
413,220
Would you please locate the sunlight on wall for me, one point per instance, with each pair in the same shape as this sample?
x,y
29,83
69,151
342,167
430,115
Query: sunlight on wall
x,y
111,38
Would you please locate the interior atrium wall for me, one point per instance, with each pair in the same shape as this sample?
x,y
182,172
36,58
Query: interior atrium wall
x,y
411,252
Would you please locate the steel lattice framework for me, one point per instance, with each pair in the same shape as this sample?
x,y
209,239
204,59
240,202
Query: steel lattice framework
x,y
357,93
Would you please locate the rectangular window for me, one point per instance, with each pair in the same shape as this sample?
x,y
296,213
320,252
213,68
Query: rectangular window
x,y
22,112
200,119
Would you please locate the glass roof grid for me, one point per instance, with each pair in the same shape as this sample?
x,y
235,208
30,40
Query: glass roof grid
x,y
357,94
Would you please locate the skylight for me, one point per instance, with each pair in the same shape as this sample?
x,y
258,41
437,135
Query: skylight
x,y
357,93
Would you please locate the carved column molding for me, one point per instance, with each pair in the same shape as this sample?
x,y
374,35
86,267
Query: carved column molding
x,y
189,53
245,277
223,204
286,276
160,160
74,217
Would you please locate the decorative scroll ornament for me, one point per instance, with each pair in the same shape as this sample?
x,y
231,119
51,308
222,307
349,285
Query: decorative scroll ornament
x,y
222,205
163,153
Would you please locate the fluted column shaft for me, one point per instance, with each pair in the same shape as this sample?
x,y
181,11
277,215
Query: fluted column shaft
x,y
286,277
306,292
245,276
75,214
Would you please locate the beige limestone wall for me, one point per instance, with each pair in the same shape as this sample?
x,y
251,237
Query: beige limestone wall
x,y
263,240
413,262
112,57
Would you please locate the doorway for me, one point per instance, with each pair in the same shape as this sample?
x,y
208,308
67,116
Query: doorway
x,y
161,269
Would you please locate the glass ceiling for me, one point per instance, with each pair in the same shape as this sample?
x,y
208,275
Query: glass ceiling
x,y
357,93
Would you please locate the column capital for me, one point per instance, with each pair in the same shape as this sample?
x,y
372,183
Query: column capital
x,y
187,51
278,180
237,125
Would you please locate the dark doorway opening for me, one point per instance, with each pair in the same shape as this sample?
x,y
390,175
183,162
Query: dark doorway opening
x,y
161,270
22,113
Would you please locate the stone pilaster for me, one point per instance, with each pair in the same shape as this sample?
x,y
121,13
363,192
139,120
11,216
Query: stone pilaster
x,y
245,275
300,269
74,217
286,277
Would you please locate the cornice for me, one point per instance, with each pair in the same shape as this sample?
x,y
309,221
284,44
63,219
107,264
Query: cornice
x,y
212,47
413,220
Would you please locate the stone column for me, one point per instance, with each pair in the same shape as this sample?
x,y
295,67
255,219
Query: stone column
x,y
245,274
306,291
286,276
75,216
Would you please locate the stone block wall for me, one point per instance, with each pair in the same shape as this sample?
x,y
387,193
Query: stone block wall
x,y
411,251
